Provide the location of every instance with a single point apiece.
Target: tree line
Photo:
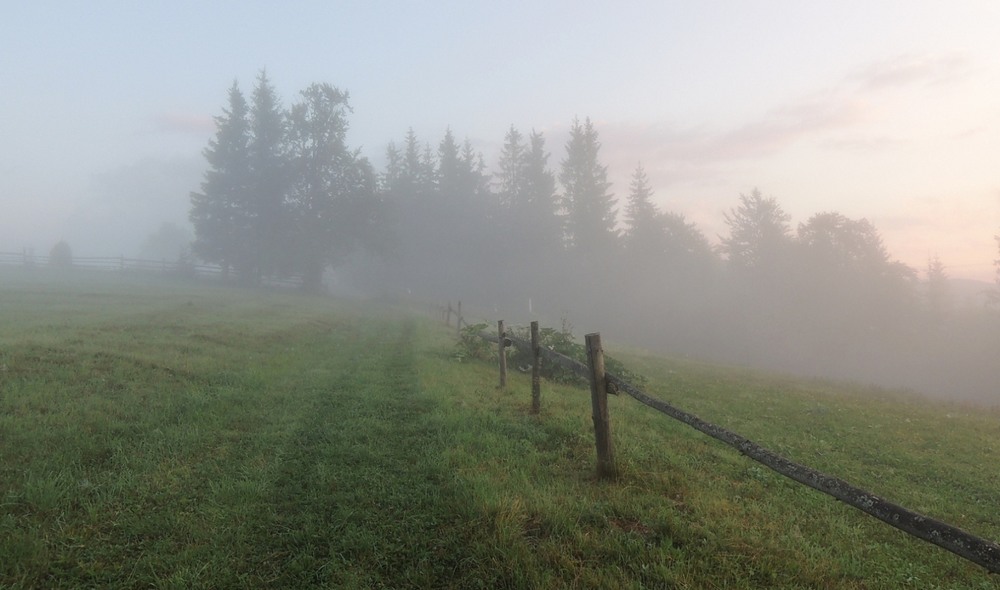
(284, 194)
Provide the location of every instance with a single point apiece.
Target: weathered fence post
(447, 318)
(458, 321)
(536, 370)
(501, 345)
(599, 400)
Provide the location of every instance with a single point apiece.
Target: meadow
(158, 434)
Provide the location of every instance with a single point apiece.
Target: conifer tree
(220, 213)
(513, 168)
(589, 209)
(540, 196)
(268, 181)
(759, 235)
(645, 230)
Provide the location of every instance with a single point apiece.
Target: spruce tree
(221, 213)
(268, 182)
(540, 196)
(511, 176)
(645, 230)
(589, 207)
(759, 235)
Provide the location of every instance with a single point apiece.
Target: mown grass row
(156, 435)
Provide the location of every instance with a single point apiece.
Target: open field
(156, 434)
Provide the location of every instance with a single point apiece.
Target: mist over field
(541, 233)
(667, 176)
(227, 231)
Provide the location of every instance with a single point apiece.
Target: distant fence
(28, 259)
(967, 546)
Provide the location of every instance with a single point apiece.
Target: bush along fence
(602, 382)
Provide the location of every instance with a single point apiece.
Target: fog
(122, 209)
(809, 189)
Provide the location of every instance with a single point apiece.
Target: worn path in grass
(170, 436)
(360, 498)
(174, 438)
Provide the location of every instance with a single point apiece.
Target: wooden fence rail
(980, 551)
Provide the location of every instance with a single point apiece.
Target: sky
(886, 110)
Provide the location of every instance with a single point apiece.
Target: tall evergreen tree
(220, 213)
(540, 196)
(390, 180)
(449, 167)
(759, 235)
(645, 230)
(590, 214)
(268, 180)
(526, 192)
(474, 179)
(512, 168)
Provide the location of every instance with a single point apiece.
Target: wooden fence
(967, 546)
(28, 259)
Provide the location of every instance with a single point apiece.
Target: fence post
(536, 370)
(599, 401)
(501, 338)
(458, 321)
(447, 319)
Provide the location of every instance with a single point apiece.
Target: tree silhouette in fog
(221, 212)
(283, 193)
(759, 234)
(331, 188)
(590, 215)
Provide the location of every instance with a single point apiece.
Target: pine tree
(590, 214)
(220, 213)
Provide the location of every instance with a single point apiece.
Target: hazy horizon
(883, 111)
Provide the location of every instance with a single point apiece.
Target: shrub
(472, 345)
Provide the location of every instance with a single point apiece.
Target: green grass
(163, 435)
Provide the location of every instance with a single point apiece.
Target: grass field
(156, 434)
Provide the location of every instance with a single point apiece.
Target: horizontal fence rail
(978, 550)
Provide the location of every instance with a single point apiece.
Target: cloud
(693, 151)
(834, 116)
(908, 69)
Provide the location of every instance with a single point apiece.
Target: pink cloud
(905, 70)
